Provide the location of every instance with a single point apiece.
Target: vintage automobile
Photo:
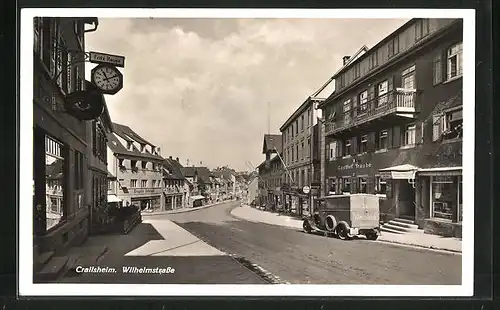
(345, 216)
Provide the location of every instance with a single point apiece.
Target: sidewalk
(182, 210)
(420, 240)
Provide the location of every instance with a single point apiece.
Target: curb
(185, 210)
(381, 241)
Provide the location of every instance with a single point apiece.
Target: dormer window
(129, 145)
(143, 148)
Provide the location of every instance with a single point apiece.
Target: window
(144, 164)
(454, 61)
(154, 183)
(346, 185)
(296, 127)
(393, 46)
(308, 152)
(347, 148)
(382, 89)
(444, 196)
(54, 182)
(293, 154)
(297, 153)
(357, 70)
(382, 143)
(363, 102)
(421, 28)
(409, 135)
(363, 144)
(302, 151)
(333, 150)
(372, 60)
(408, 78)
(332, 186)
(133, 183)
(302, 122)
(347, 110)
(380, 185)
(453, 123)
(362, 189)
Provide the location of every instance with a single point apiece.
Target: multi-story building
(301, 153)
(137, 165)
(271, 172)
(59, 139)
(199, 177)
(97, 156)
(175, 188)
(393, 126)
(253, 190)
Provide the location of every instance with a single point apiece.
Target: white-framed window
(382, 142)
(382, 90)
(444, 195)
(453, 123)
(133, 183)
(55, 182)
(409, 135)
(408, 78)
(346, 185)
(144, 183)
(333, 150)
(362, 187)
(346, 108)
(454, 61)
(363, 144)
(380, 185)
(347, 147)
(332, 186)
(363, 102)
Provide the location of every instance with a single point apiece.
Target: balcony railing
(398, 101)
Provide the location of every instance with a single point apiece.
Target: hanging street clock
(107, 79)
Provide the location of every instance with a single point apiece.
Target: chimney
(177, 159)
(345, 59)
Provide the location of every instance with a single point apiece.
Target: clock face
(107, 78)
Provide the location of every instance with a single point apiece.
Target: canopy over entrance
(401, 172)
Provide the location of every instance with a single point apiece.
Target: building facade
(137, 165)
(199, 178)
(97, 155)
(393, 126)
(59, 139)
(175, 188)
(301, 155)
(271, 173)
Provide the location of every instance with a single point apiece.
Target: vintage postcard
(224, 152)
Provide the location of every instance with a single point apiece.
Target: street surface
(289, 255)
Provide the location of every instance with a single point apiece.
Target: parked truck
(345, 216)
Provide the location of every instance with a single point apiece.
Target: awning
(114, 198)
(440, 171)
(401, 172)
(197, 197)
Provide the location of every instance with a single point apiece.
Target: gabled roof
(116, 147)
(272, 143)
(127, 134)
(171, 170)
(202, 172)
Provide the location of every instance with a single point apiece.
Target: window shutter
(371, 142)
(389, 137)
(390, 83)
(396, 136)
(370, 185)
(419, 132)
(354, 146)
(436, 127)
(437, 70)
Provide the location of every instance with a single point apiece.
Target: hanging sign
(85, 105)
(102, 58)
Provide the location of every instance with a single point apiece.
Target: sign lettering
(354, 166)
(118, 61)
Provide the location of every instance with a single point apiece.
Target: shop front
(147, 203)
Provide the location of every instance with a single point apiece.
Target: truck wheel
(306, 226)
(372, 235)
(343, 232)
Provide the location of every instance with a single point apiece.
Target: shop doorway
(406, 200)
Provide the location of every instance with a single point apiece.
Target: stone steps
(401, 226)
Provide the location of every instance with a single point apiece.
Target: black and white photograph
(262, 152)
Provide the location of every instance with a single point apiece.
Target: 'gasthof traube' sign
(354, 166)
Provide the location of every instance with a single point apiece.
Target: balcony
(399, 104)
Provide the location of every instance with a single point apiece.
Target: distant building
(175, 186)
(393, 126)
(271, 172)
(199, 177)
(137, 165)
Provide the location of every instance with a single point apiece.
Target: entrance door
(406, 200)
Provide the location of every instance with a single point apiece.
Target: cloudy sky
(199, 88)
